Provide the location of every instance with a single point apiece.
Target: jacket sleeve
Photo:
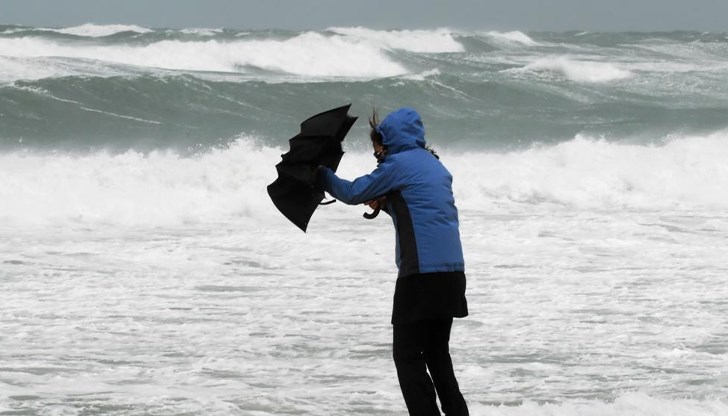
(362, 189)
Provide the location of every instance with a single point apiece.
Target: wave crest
(98, 31)
(164, 188)
(420, 41)
(308, 54)
(588, 173)
(580, 71)
(159, 188)
(511, 37)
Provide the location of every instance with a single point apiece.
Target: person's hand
(377, 203)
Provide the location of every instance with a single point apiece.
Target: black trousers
(421, 346)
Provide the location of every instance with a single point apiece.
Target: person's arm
(362, 189)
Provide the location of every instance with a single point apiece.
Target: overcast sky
(595, 15)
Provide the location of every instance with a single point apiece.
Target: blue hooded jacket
(419, 197)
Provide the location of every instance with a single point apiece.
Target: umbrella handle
(372, 215)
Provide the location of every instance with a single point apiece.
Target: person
(415, 189)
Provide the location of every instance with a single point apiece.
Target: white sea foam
(633, 404)
(313, 54)
(201, 31)
(423, 75)
(422, 41)
(132, 188)
(160, 284)
(13, 68)
(164, 188)
(684, 173)
(580, 71)
(97, 31)
(205, 300)
(146, 282)
(29, 68)
(512, 37)
(309, 54)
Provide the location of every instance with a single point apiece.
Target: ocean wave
(202, 31)
(204, 87)
(423, 75)
(164, 188)
(159, 188)
(11, 69)
(587, 173)
(350, 52)
(580, 71)
(313, 54)
(309, 54)
(98, 31)
(38, 68)
(421, 41)
(513, 37)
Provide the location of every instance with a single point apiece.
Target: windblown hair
(431, 150)
(373, 123)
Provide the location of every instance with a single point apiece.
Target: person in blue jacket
(415, 189)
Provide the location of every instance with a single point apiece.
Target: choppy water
(127, 87)
(143, 269)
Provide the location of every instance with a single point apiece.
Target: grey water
(144, 270)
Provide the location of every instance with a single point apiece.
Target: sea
(145, 271)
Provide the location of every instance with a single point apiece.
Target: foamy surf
(496, 85)
(684, 173)
(164, 188)
(420, 41)
(144, 270)
(633, 404)
(309, 54)
(96, 31)
(580, 71)
(513, 37)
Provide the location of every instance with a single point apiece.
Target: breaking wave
(165, 188)
(131, 88)
(421, 41)
(587, 173)
(516, 37)
(580, 71)
(97, 31)
(309, 54)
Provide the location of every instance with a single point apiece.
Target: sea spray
(166, 188)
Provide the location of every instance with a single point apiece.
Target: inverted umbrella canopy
(295, 192)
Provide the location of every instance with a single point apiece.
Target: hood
(402, 130)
